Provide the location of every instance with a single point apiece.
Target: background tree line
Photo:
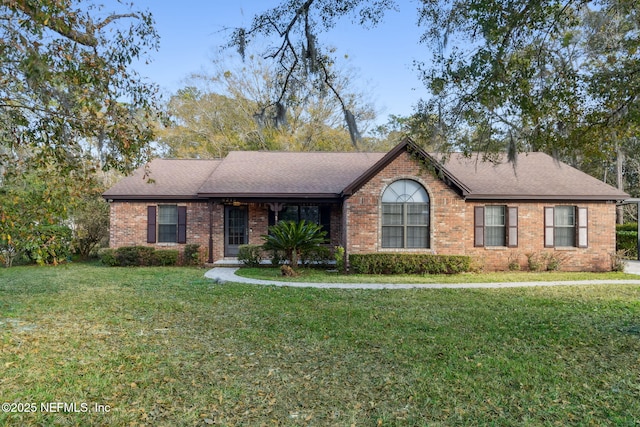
(559, 76)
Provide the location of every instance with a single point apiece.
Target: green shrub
(627, 240)
(108, 257)
(165, 257)
(339, 257)
(192, 254)
(534, 261)
(250, 255)
(409, 263)
(48, 244)
(317, 256)
(629, 226)
(137, 256)
(277, 257)
(130, 256)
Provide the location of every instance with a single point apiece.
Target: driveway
(224, 274)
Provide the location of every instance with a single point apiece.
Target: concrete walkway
(223, 274)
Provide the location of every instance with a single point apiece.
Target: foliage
(318, 256)
(627, 239)
(503, 76)
(534, 261)
(339, 256)
(68, 82)
(34, 200)
(183, 351)
(391, 263)
(138, 256)
(192, 254)
(230, 108)
(554, 76)
(299, 54)
(618, 261)
(108, 257)
(165, 257)
(250, 255)
(293, 238)
(90, 224)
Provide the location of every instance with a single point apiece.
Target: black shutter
(549, 240)
(182, 224)
(151, 224)
(512, 224)
(583, 221)
(478, 240)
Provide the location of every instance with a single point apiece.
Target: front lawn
(327, 276)
(164, 346)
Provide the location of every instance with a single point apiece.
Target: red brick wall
(129, 225)
(452, 224)
(596, 257)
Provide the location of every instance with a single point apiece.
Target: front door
(235, 229)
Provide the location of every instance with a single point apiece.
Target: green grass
(164, 346)
(319, 275)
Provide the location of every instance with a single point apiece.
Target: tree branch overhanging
(62, 26)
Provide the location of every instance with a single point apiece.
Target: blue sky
(191, 31)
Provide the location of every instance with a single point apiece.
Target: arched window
(405, 215)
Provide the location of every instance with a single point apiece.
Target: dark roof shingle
(271, 173)
(167, 179)
(535, 176)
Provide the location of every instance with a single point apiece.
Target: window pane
(565, 216)
(417, 214)
(495, 236)
(310, 213)
(494, 215)
(565, 222)
(167, 214)
(289, 213)
(167, 233)
(494, 219)
(392, 214)
(417, 237)
(405, 190)
(167, 223)
(392, 237)
(565, 236)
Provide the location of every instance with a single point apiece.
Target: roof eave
(541, 197)
(270, 196)
(133, 197)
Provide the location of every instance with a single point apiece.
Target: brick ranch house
(406, 200)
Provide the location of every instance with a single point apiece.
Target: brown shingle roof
(536, 176)
(271, 173)
(167, 179)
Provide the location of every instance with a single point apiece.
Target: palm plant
(293, 237)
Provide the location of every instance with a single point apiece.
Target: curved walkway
(223, 274)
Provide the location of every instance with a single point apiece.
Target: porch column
(276, 208)
(210, 259)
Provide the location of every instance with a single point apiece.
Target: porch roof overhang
(154, 197)
(273, 197)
